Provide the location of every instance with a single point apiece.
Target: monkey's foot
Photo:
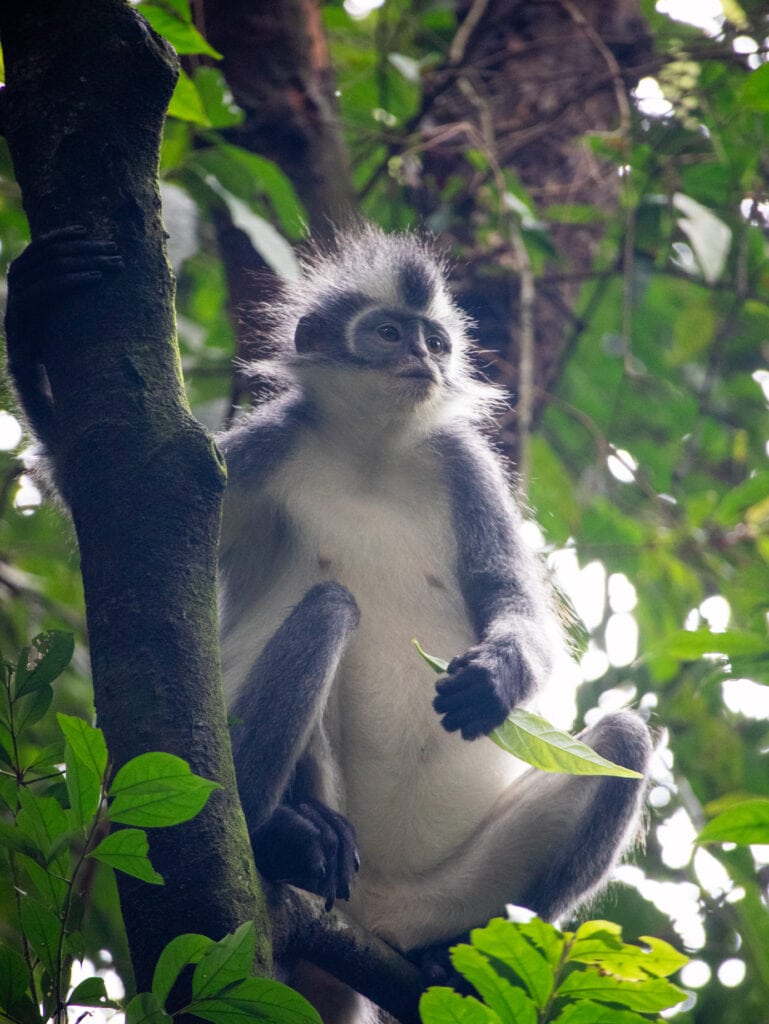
(310, 846)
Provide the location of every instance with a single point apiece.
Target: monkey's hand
(53, 265)
(482, 686)
(310, 846)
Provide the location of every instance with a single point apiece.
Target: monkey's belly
(412, 790)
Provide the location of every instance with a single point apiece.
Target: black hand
(481, 687)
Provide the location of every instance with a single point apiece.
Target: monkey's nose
(416, 343)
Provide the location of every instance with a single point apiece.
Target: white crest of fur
(366, 261)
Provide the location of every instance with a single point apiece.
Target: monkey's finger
(40, 254)
(468, 696)
(40, 291)
(470, 722)
(476, 677)
(329, 842)
(349, 859)
(463, 660)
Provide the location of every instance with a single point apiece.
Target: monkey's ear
(311, 334)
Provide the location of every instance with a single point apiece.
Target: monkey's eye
(388, 332)
(435, 344)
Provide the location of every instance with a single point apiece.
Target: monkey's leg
(296, 838)
(548, 842)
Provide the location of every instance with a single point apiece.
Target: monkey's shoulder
(259, 442)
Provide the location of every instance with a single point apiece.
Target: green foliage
(52, 828)
(531, 973)
(534, 740)
(744, 821)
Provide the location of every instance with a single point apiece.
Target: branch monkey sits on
(364, 508)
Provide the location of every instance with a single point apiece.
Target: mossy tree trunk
(87, 89)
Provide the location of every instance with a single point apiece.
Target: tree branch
(302, 927)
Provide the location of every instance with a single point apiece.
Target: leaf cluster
(531, 973)
(58, 806)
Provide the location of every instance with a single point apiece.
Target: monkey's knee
(622, 738)
(328, 606)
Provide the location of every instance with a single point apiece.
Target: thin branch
(330, 940)
(465, 30)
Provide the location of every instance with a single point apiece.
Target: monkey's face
(414, 350)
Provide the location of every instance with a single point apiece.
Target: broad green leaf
(127, 851)
(6, 745)
(436, 664)
(445, 1006)
(746, 822)
(83, 788)
(181, 34)
(644, 996)
(268, 242)
(13, 838)
(154, 790)
(186, 104)
(91, 992)
(503, 940)
(220, 108)
(595, 935)
(86, 741)
(9, 792)
(755, 92)
(750, 492)
(183, 950)
(14, 977)
(249, 176)
(511, 1004)
(43, 819)
(32, 707)
(600, 943)
(587, 1012)
(44, 660)
(662, 959)
(229, 960)
(256, 999)
(75, 944)
(43, 932)
(535, 741)
(51, 886)
(547, 938)
(145, 1009)
(688, 645)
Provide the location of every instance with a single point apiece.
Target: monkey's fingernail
(329, 903)
(356, 861)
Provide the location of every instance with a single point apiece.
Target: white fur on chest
(382, 527)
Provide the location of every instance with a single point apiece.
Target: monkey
(366, 506)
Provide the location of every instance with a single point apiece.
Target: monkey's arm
(52, 266)
(503, 593)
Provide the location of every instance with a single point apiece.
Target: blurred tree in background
(600, 174)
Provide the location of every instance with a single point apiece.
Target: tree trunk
(87, 88)
(277, 65)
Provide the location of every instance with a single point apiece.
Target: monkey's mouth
(421, 373)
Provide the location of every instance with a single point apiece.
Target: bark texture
(87, 88)
(277, 65)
